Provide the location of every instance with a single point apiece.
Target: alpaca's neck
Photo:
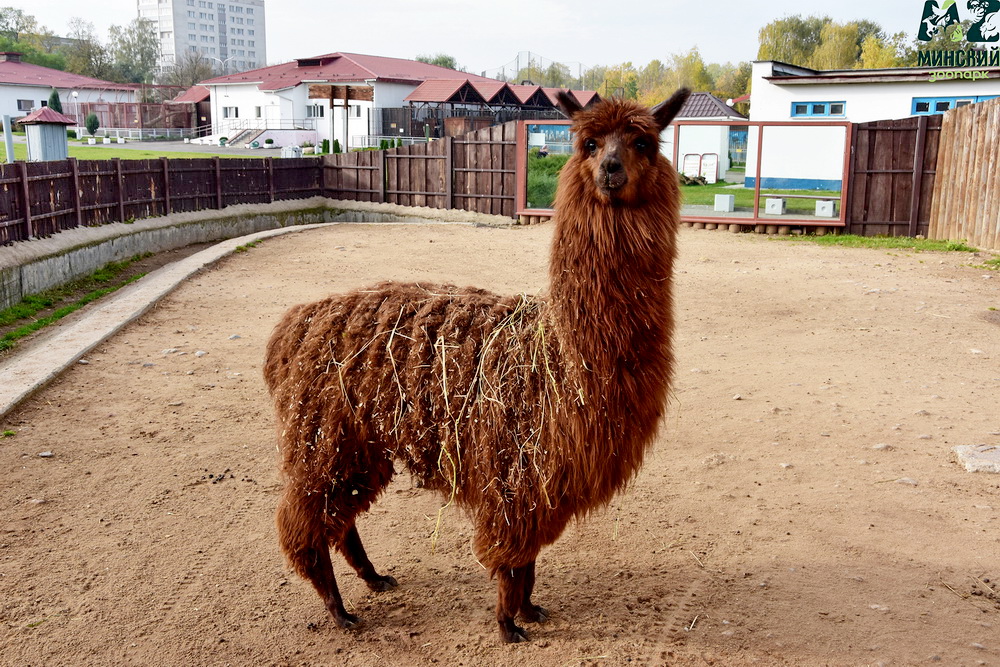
(610, 285)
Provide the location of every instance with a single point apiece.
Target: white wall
(9, 95)
(699, 140)
(803, 157)
(864, 101)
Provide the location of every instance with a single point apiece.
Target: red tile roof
(46, 115)
(531, 95)
(27, 74)
(341, 68)
(446, 90)
(193, 94)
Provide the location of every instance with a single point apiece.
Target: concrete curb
(28, 371)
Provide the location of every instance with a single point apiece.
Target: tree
(134, 50)
(14, 23)
(838, 48)
(87, 56)
(878, 53)
(54, 102)
(92, 123)
(732, 81)
(441, 60)
(189, 68)
(792, 39)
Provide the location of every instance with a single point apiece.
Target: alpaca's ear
(568, 104)
(664, 112)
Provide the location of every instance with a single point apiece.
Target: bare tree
(189, 68)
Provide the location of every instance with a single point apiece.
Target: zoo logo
(984, 15)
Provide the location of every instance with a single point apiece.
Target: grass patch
(247, 246)
(990, 264)
(106, 152)
(98, 283)
(887, 242)
(704, 195)
(8, 433)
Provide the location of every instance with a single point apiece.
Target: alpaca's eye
(590, 145)
(641, 145)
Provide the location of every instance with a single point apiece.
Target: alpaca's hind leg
(303, 537)
(356, 557)
(532, 613)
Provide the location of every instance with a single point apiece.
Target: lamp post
(76, 110)
(222, 63)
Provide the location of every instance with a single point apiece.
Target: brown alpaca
(526, 411)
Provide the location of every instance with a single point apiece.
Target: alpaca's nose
(612, 165)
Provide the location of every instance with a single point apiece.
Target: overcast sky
(486, 35)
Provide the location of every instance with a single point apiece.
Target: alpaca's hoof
(535, 614)
(347, 621)
(513, 634)
(381, 584)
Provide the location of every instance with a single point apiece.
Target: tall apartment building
(229, 34)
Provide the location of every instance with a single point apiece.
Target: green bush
(326, 145)
(543, 176)
(92, 123)
(71, 134)
(54, 102)
(399, 142)
(269, 141)
(336, 146)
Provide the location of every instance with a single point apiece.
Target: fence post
(449, 174)
(270, 179)
(381, 175)
(218, 182)
(918, 175)
(22, 168)
(77, 204)
(121, 187)
(166, 185)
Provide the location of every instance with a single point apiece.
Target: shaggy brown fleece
(526, 411)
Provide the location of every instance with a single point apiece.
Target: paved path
(50, 354)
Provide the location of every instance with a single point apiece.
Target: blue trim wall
(793, 183)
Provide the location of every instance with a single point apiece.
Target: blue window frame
(928, 106)
(807, 109)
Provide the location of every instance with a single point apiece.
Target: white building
(809, 157)
(705, 150)
(25, 87)
(230, 34)
(246, 104)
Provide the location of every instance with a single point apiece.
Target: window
(354, 111)
(314, 111)
(44, 103)
(923, 106)
(256, 112)
(807, 109)
(24, 105)
(230, 112)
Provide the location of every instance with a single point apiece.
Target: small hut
(46, 132)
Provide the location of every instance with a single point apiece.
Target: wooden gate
(892, 174)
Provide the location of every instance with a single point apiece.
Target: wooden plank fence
(473, 173)
(41, 198)
(966, 196)
(892, 176)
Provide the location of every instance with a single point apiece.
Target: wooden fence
(892, 176)
(41, 198)
(966, 197)
(474, 173)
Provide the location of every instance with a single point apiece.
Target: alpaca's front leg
(532, 613)
(514, 588)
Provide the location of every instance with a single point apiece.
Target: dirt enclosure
(802, 505)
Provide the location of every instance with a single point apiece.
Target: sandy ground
(802, 505)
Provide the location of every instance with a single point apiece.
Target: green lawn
(704, 195)
(106, 152)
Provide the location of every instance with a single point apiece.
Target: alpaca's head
(616, 142)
